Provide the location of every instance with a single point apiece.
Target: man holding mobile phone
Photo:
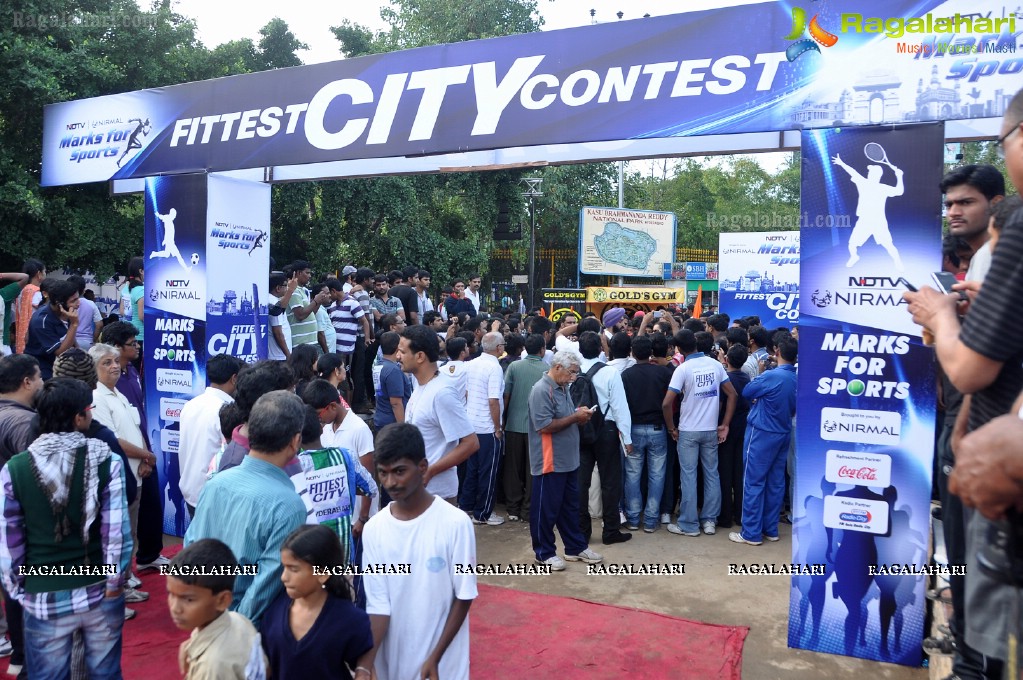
(53, 327)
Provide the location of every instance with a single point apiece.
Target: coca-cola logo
(865, 473)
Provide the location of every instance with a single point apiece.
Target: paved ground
(705, 593)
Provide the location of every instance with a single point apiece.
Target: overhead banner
(758, 275)
(207, 267)
(866, 401)
(624, 242)
(856, 62)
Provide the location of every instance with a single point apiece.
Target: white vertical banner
(237, 267)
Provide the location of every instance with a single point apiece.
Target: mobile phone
(944, 281)
(909, 286)
(657, 314)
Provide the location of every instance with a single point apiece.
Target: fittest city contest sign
(676, 76)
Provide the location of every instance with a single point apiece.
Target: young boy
(224, 645)
(419, 619)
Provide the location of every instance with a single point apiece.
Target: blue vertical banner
(207, 249)
(175, 321)
(238, 266)
(867, 396)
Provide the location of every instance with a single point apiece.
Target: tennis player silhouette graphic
(170, 249)
(870, 208)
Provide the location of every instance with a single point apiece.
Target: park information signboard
(687, 75)
(624, 242)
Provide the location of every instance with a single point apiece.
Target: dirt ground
(705, 593)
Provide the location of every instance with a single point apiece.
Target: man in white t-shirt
(420, 618)
(485, 404)
(472, 293)
(279, 342)
(342, 429)
(437, 411)
(698, 380)
(201, 436)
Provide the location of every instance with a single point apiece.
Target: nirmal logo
(803, 45)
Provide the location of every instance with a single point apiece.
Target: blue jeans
(648, 444)
(48, 642)
(699, 447)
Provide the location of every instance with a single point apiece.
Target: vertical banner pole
(867, 392)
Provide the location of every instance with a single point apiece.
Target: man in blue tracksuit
(766, 446)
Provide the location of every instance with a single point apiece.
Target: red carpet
(515, 634)
(525, 635)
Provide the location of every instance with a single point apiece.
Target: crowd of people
(333, 489)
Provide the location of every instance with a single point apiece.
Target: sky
(220, 21)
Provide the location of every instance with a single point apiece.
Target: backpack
(584, 393)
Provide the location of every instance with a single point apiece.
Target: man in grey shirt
(554, 464)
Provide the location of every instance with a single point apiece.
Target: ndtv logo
(878, 282)
(177, 283)
(75, 126)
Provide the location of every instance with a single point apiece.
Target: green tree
(74, 53)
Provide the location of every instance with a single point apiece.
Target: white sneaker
(736, 537)
(132, 596)
(622, 519)
(495, 520)
(133, 581)
(772, 539)
(555, 563)
(14, 670)
(160, 561)
(709, 528)
(588, 556)
(665, 518)
(674, 529)
(6, 648)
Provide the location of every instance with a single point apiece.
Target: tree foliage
(60, 50)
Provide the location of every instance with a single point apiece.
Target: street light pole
(532, 192)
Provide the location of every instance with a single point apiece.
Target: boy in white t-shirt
(420, 618)
(698, 380)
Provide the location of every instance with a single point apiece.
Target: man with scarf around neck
(65, 541)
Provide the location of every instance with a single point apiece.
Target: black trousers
(357, 371)
(605, 453)
(730, 471)
(150, 530)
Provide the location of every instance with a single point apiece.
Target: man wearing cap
(614, 320)
(348, 276)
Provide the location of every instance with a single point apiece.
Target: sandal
(943, 595)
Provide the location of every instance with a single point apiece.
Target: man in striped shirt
(347, 317)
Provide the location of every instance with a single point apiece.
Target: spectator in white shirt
(201, 436)
(485, 406)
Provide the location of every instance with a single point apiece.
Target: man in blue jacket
(768, 430)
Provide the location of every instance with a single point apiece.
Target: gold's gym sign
(641, 295)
